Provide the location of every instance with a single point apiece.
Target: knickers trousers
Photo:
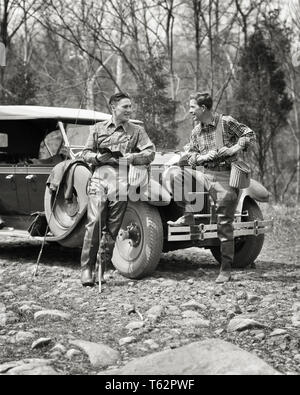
(225, 199)
(111, 214)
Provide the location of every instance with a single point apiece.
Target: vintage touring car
(35, 140)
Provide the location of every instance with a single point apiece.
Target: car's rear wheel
(61, 214)
(247, 248)
(140, 241)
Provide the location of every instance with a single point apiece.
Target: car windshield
(29, 141)
(51, 145)
(77, 134)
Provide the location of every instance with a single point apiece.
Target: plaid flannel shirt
(203, 137)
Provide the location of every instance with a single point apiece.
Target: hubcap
(65, 212)
(132, 233)
(130, 239)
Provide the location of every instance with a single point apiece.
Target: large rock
(242, 324)
(252, 298)
(155, 313)
(296, 315)
(191, 314)
(192, 304)
(135, 325)
(210, 357)
(127, 340)
(40, 343)
(100, 355)
(278, 332)
(296, 307)
(296, 321)
(24, 337)
(168, 283)
(33, 370)
(53, 315)
(7, 318)
(195, 323)
(32, 367)
(7, 294)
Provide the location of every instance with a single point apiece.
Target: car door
(9, 204)
(36, 179)
(21, 172)
(38, 172)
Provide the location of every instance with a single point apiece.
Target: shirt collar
(124, 126)
(213, 122)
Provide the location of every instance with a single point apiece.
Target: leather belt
(223, 166)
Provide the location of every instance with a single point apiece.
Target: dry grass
(286, 223)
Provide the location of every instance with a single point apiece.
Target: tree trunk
(4, 39)
(261, 158)
(119, 72)
(275, 171)
(197, 43)
(296, 134)
(298, 171)
(170, 46)
(211, 45)
(90, 97)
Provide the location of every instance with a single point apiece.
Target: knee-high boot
(90, 248)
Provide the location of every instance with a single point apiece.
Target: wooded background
(246, 53)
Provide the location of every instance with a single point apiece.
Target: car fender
(155, 194)
(255, 191)
(74, 236)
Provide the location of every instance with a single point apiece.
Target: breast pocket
(104, 141)
(120, 143)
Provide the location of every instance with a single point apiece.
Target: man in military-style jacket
(110, 143)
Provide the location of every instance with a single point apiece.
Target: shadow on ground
(28, 252)
(182, 262)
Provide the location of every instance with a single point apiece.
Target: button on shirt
(126, 138)
(203, 137)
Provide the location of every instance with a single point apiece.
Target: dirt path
(266, 293)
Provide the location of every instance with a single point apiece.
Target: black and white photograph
(149, 190)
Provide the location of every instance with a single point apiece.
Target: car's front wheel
(140, 241)
(247, 248)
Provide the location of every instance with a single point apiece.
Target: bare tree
(15, 14)
(81, 25)
(293, 66)
(248, 11)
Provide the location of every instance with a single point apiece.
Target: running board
(204, 232)
(24, 234)
(11, 232)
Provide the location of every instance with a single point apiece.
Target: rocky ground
(51, 324)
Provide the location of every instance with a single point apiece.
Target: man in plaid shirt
(204, 150)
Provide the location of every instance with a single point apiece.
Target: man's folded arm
(145, 148)
(246, 135)
(89, 153)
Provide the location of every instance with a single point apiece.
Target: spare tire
(60, 214)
